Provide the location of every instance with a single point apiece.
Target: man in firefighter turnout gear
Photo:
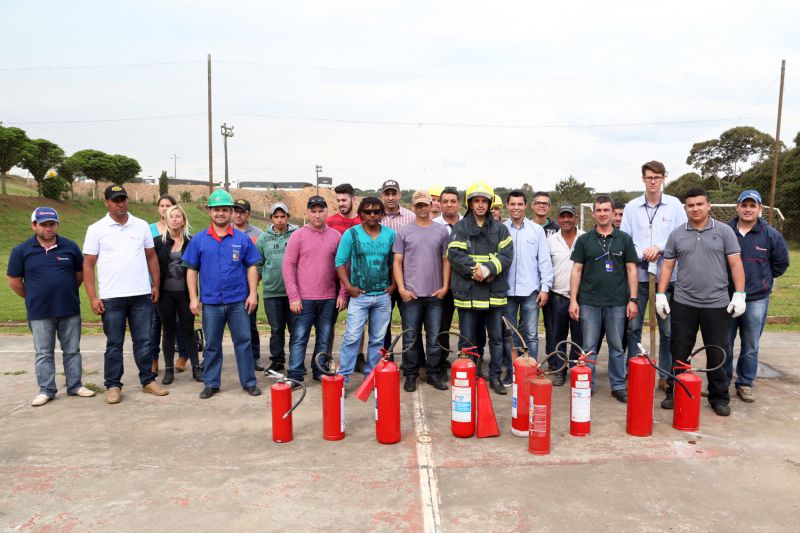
(480, 252)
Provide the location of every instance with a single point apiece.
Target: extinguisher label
(537, 418)
(461, 375)
(514, 398)
(581, 403)
(462, 404)
(341, 412)
(376, 403)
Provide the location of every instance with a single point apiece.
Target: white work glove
(485, 271)
(662, 305)
(737, 306)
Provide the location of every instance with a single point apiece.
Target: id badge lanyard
(605, 245)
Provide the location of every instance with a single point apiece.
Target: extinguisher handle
(705, 349)
(328, 369)
(303, 395)
(562, 355)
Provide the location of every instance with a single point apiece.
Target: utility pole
(318, 169)
(227, 131)
(210, 152)
(777, 149)
(175, 166)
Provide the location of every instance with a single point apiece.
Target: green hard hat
(220, 198)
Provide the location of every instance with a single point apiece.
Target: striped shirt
(398, 220)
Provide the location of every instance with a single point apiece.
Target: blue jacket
(764, 256)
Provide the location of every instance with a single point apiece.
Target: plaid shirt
(399, 219)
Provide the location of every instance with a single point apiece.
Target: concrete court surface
(179, 463)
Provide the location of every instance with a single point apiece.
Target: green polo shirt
(604, 281)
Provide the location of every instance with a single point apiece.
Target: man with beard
(346, 217)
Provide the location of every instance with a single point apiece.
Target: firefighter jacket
(472, 245)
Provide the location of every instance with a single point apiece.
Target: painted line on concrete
(428, 486)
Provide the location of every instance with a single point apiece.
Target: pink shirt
(308, 268)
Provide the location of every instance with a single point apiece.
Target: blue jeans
(469, 327)
(613, 318)
(750, 326)
(427, 311)
(527, 308)
(280, 318)
(378, 309)
(664, 331)
(562, 325)
(215, 316)
(44, 333)
(137, 311)
(318, 313)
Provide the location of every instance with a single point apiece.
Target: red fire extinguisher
(384, 380)
(281, 398)
(686, 416)
(580, 379)
(641, 389)
(333, 395)
(539, 406)
(524, 367)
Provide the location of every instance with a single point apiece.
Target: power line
(100, 120)
(118, 65)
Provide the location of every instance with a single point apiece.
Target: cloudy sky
(424, 92)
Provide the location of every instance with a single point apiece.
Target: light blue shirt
(531, 270)
(651, 225)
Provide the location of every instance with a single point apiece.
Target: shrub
(55, 188)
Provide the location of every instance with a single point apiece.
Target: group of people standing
(428, 261)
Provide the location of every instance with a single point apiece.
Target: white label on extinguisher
(537, 418)
(341, 412)
(461, 375)
(462, 404)
(581, 402)
(514, 399)
(376, 403)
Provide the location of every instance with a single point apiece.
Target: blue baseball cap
(44, 214)
(749, 194)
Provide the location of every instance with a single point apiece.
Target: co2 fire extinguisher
(384, 381)
(580, 385)
(524, 367)
(463, 388)
(686, 416)
(281, 397)
(540, 401)
(333, 395)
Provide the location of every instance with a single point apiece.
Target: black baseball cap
(317, 200)
(241, 204)
(115, 191)
(567, 208)
(390, 184)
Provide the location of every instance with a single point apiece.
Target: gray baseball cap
(278, 205)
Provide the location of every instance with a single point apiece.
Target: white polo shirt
(121, 260)
(562, 265)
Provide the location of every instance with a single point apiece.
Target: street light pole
(318, 169)
(175, 167)
(227, 131)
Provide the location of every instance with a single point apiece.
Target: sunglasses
(371, 211)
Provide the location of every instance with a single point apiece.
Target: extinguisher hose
(705, 349)
(512, 330)
(568, 343)
(670, 374)
(303, 395)
(469, 346)
(326, 369)
(562, 355)
(387, 352)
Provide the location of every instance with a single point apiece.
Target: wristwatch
(633, 300)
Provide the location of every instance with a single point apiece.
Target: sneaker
(155, 389)
(276, 366)
(296, 385)
(621, 395)
(411, 384)
(508, 379)
(745, 393)
(83, 392)
(113, 395)
(498, 387)
(721, 409)
(258, 366)
(668, 403)
(558, 380)
(40, 399)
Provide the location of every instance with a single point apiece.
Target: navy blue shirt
(51, 290)
(222, 263)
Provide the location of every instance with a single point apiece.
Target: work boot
(621, 395)
(497, 387)
(257, 365)
(275, 366)
(252, 391)
(411, 384)
(113, 395)
(558, 380)
(721, 409)
(361, 363)
(180, 364)
(155, 389)
(662, 384)
(668, 402)
(437, 383)
(169, 376)
(197, 373)
(208, 392)
(745, 393)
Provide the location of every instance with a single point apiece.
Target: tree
(95, 165)
(13, 143)
(68, 169)
(39, 157)
(54, 187)
(572, 191)
(163, 183)
(125, 169)
(725, 159)
(690, 180)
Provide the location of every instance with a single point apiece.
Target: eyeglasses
(653, 179)
(371, 211)
(542, 204)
